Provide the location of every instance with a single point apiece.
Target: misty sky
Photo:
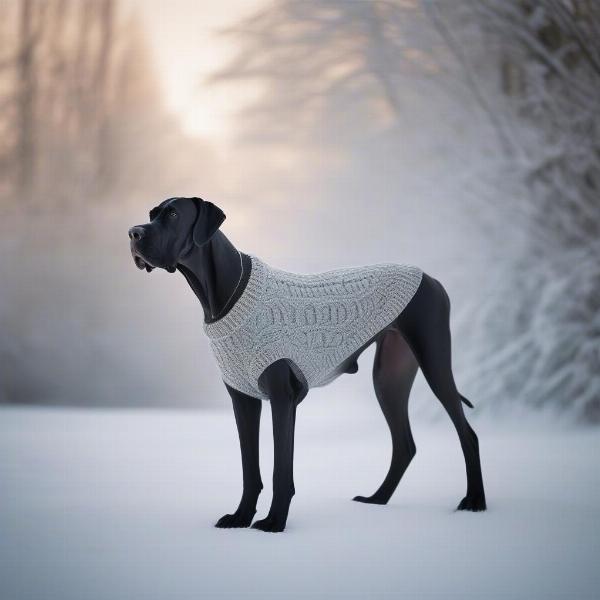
(187, 47)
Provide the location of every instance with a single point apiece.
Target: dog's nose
(136, 233)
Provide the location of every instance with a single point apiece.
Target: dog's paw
(472, 503)
(237, 519)
(270, 523)
(369, 500)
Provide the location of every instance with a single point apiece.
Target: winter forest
(460, 134)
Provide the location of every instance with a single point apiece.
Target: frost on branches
(537, 336)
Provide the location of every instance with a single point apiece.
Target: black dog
(183, 234)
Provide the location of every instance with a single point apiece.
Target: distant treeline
(76, 87)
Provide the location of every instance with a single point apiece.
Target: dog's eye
(172, 214)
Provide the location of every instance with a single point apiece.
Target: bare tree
(26, 98)
(317, 57)
(60, 97)
(101, 85)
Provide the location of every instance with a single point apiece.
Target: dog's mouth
(141, 264)
(139, 261)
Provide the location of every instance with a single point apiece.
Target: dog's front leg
(281, 386)
(247, 417)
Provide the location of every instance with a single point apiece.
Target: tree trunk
(101, 86)
(26, 102)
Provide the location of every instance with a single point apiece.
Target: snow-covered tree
(539, 333)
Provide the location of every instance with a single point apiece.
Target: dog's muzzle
(135, 235)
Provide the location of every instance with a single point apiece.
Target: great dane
(184, 235)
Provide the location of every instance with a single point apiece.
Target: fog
(331, 134)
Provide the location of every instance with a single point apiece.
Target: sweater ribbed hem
(244, 305)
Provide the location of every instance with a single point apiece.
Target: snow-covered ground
(112, 505)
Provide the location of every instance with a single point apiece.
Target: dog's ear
(154, 212)
(208, 220)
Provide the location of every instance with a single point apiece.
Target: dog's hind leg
(425, 323)
(394, 371)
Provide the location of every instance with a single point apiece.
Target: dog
(276, 334)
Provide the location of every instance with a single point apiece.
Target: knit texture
(316, 320)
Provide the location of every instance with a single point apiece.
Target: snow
(121, 504)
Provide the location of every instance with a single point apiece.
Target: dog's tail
(466, 401)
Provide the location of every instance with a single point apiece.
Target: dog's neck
(217, 273)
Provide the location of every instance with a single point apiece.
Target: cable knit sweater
(316, 320)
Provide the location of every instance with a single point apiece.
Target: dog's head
(175, 226)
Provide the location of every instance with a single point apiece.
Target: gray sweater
(316, 320)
